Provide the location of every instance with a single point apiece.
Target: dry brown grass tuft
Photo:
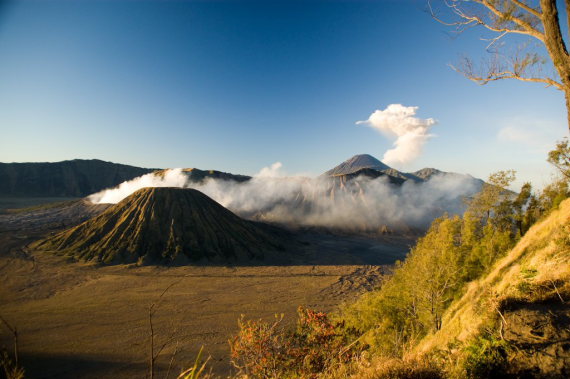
(394, 368)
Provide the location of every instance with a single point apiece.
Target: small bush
(525, 288)
(485, 357)
(407, 369)
(322, 342)
(268, 350)
(529, 273)
(562, 237)
(259, 349)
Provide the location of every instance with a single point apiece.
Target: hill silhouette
(166, 226)
(74, 178)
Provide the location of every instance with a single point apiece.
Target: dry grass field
(78, 320)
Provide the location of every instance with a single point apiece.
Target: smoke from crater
(359, 204)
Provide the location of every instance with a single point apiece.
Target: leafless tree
(14, 332)
(10, 366)
(156, 349)
(155, 353)
(542, 44)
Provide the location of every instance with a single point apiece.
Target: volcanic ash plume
(411, 132)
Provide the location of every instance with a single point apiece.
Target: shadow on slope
(63, 366)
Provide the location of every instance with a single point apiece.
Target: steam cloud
(171, 178)
(411, 132)
(271, 171)
(362, 204)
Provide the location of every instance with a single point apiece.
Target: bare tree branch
(528, 8)
(494, 76)
(510, 17)
(469, 21)
(539, 19)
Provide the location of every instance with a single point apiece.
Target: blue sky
(237, 86)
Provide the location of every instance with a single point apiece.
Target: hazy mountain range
(74, 178)
(79, 178)
(366, 164)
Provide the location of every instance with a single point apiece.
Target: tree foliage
(560, 157)
(454, 251)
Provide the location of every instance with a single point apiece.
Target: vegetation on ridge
(457, 306)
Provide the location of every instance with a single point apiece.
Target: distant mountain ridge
(197, 175)
(367, 165)
(426, 173)
(73, 178)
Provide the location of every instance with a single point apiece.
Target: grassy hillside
(522, 304)
(75, 178)
(514, 321)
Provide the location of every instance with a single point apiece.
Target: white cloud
(272, 171)
(536, 135)
(524, 143)
(411, 132)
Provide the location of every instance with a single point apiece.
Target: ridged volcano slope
(165, 225)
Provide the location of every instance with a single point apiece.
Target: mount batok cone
(166, 226)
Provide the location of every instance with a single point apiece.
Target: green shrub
(485, 357)
(562, 237)
(528, 273)
(414, 369)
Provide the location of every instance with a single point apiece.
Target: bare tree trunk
(556, 46)
(567, 96)
(567, 3)
(151, 360)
